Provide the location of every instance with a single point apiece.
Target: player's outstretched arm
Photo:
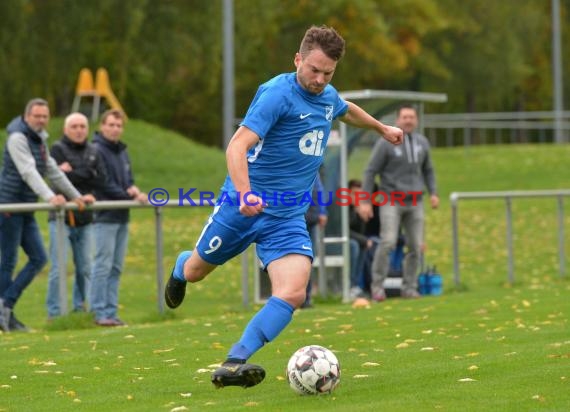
(236, 158)
(357, 117)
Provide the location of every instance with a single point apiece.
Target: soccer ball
(313, 370)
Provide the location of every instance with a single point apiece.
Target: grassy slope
(513, 341)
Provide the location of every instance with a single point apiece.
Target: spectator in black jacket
(111, 227)
(78, 159)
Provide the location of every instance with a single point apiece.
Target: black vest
(13, 189)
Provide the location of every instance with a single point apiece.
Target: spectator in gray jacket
(404, 173)
(26, 163)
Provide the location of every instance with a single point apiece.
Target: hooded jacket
(403, 168)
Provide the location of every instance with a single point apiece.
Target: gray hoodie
(403, 168)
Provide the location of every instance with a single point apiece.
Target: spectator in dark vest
(26, 163)
(80, 162)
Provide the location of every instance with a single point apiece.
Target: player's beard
(310, 87)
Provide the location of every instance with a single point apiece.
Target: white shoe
(355, 292)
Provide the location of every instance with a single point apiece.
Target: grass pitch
(490, 346)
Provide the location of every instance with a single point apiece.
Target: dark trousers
(19, 229)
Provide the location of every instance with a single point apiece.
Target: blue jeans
(19, 229)
(80, 240)
(110, 247)
(357, 258)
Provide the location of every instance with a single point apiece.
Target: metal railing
(490, 127)
(508, 196)
(102, 205)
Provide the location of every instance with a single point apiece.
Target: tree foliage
(165, 57)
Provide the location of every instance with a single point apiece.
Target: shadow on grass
(85, 320)
(75, 320)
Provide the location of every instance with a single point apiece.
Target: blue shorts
(228, 233)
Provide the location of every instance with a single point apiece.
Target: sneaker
(175, 289)
(355, 292)
(411, 294)
(5, 314)
(118, 322)
(378, 295)
(16, 325)
(106, 322)
(237, 374)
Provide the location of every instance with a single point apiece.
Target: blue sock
(178, 272)
(264, 327)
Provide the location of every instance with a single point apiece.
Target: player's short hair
(324, 38)
(406, 106)
(116, 113)
(37, 101)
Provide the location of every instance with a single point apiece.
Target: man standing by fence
(26, 163)
(111, 226)
(402, 169)
(80, 162)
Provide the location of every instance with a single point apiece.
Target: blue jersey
(293, 126)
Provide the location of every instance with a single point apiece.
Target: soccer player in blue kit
(272, 161)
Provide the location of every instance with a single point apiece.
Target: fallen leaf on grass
(186, 395)
(251, 403)
(179, 409)
(402, 345)
(20, 348)
(473, 367)
(467, 380)
(162, 350)
(361, 303)
(360, 376)
(538, 398)
(427, 348)
(370, 364)
(280, 378)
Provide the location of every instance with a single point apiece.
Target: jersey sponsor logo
(311, 144)
(329, 113)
